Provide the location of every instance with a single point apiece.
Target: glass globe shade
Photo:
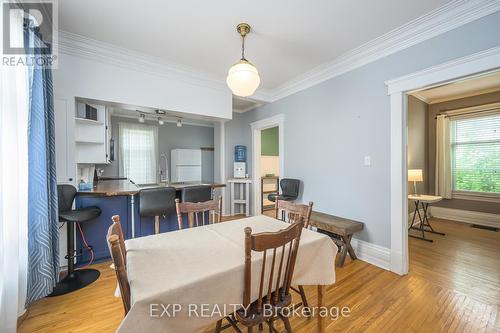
(243, 78)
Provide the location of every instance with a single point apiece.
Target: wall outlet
(368, 161)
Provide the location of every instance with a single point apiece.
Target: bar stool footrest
(79, 279)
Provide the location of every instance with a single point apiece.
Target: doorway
(268, 150)
(398, 89)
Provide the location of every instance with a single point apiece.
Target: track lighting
(160, 121)
(179, 123)
(142, 118)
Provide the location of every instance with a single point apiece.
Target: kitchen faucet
(164, 171)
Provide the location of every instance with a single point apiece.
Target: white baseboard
(373, 254)
(467, 216)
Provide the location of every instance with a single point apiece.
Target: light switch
(368, 161)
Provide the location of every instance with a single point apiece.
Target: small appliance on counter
(86, 174)
(83, 186)
(240, 161)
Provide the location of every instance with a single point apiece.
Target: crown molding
(92, 49)
(445, 18)
(250, 108)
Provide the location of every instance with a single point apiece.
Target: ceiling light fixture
(142, 118)
(160, 121)
(179, 123)
(243, 78)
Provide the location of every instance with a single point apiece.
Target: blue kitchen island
(119, 197)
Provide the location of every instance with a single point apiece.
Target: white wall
(87, 78)
(269, 165)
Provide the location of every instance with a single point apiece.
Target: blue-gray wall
(330, 127)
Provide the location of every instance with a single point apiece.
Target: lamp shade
(243, 78)
(415, 175)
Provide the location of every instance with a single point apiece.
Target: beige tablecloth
(204, 267)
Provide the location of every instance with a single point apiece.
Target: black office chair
(289, 190)
(155, 202)
(76, 279)
(199, 193)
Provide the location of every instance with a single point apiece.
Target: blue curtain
(43, 233)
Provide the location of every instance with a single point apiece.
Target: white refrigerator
(185, 165)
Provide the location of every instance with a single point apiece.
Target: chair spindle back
(196, 212)
(284, 245)
(290, 212)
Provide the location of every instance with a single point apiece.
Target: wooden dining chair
(116, 229)
(291, 212)
(197, 212)
(274, 282)
(116, 244)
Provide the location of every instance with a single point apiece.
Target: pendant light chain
(243, 47)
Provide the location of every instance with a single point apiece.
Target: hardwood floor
(453, 286)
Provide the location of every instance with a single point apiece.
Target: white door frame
(278, 120)
(481, 62)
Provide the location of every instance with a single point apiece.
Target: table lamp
(415, 175)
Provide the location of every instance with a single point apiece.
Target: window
(138, 152)
(475, 146)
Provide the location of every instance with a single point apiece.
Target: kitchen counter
(121, 197)
(116, 187)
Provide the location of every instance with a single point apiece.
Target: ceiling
(241, 105)
(289, 37)
(464, 88)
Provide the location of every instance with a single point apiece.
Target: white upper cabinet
(91, 134)
(63, 121)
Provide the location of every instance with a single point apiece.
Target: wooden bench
(340, 230)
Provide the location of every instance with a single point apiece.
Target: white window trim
(463, 114)
(476, 196)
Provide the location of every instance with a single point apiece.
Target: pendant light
(243, 78)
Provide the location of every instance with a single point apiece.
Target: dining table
(183, 281)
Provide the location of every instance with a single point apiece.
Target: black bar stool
(76, 279)
(199, 193)
(156, 202)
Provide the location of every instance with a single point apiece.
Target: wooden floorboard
(453, 286)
